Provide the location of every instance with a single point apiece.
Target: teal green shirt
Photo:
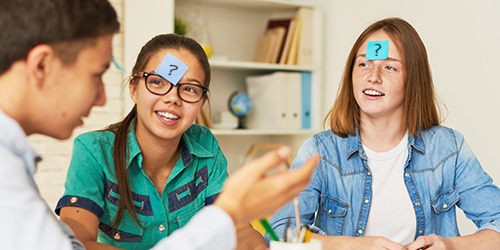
(195, 182)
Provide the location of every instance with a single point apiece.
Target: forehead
(380, 35)
(195, 71)
(97, 51)
(183, 55)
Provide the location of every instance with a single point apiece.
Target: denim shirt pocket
(445, 201)
(332, 215)
(443, 207)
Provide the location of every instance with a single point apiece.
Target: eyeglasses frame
(147, 74)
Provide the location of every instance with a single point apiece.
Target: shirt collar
(417, 143)
(187, 145)
(354, 143)
(14, 138)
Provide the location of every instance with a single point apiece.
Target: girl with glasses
(141, 179)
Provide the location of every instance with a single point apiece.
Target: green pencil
(269, 230)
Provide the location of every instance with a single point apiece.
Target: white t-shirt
(391, 212)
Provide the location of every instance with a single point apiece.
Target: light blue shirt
(27, 222)
(441, 173)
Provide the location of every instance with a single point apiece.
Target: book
(288, 40)
(268, 45)
(285, 23)
(305, 44)
(278, 35)
(262, 49)
(294, 46)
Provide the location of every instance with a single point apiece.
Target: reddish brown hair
(420, 111)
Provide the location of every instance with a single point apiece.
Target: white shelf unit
(234, 27)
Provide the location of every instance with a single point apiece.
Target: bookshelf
(233, 28)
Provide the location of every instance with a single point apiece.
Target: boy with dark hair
(53, 54)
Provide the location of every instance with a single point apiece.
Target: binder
(269, 102)
(306, 100)
(277, 101)
(294, 110)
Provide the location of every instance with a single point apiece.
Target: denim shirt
(441, 173)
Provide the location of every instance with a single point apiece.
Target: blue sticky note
(171, 69)
(377, 50)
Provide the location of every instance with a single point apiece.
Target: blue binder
(306, 100)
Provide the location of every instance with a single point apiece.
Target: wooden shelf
(242, 65)
(259, 4)
(230, 132)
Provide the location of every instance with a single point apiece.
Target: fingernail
(284, 152)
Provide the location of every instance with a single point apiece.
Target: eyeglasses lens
(187, 92)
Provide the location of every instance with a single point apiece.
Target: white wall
(142, 20)
(462, 39)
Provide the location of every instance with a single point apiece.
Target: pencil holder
(280, 245)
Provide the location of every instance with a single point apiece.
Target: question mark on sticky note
(174, 67)
(377, 50)
(379, 47)
(171, 69)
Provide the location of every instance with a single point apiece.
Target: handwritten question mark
(174, 67)
(379, 47)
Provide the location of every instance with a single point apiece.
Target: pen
(288, 232)
(269, 230)
(307, 236)
(302, 234)
(297, 215)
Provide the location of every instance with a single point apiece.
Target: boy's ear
(37, 63)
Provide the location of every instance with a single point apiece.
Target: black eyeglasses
(158, 85)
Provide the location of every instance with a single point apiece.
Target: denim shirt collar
(417, 143)
(354, 144)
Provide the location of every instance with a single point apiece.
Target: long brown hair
(121, 129)
(420, 110)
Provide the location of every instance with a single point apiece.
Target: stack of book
(287, 41)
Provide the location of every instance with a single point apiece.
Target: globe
(240, 104)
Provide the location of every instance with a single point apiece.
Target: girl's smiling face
(378, 85)
(166, 117)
